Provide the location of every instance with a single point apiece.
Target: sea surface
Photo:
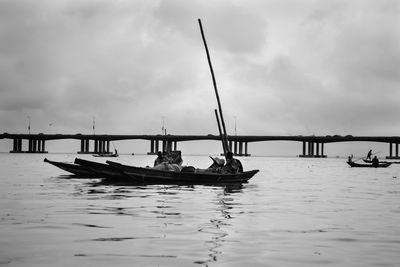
(294, 212)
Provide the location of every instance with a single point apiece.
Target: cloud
(282, 67)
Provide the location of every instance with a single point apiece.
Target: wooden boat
(75, 169)
(191, 176)
(98, 169)
(370, 165)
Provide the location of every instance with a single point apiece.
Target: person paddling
(369, 154)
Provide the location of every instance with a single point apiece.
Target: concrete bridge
(313, 146)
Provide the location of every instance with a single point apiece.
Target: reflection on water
(165, 203)
(295, 212)
(215, 227)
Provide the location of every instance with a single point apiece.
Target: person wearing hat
(217, 164)
(160, 159)
(232, 165)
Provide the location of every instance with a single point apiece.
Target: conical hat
(218, 161)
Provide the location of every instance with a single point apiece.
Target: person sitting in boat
(375, 161)
(232, 165)
(160, 159)
(350, 158)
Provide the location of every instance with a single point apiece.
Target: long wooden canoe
(150, 175)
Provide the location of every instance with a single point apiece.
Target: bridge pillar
(391, 156)
(34, 146)
(17, 146)
(239, 148)
(103, 146)
(246, 149)
(170, 145)
(151, 148)
(85, 147)
(312, 150)
(30, 145)
(155, 147)
(43, 150)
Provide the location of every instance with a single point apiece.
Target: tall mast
(224, 137)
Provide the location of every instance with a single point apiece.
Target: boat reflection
(219, 227)
(208, 212)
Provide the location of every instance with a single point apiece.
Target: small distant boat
(369, 165)
(115, 154)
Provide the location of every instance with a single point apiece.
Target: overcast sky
(284, 67)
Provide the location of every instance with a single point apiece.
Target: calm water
(295, 212)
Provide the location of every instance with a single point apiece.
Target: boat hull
(72, 168)
(150, 175)
(100, 170)
(116, 172)
(359, 165)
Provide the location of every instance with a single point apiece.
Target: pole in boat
(225, 149)
(225, 137)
